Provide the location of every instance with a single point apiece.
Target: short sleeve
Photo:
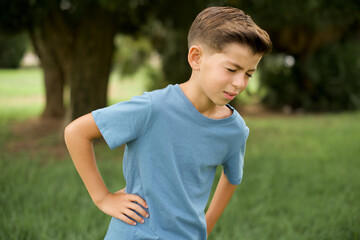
(233, 166)
(124, 121)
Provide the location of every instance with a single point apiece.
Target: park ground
(301, 175)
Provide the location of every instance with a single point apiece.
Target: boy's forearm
(78, 138)
(221, 198)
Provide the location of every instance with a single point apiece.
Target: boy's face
(223, 75)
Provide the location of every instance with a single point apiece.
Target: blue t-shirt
(171, 155)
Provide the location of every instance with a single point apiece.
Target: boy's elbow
(82, 129)
(69, 132)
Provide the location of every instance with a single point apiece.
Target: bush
(12, 50)
(131, 54)
(328, 80)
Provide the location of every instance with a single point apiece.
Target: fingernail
(147, 215)
(142, 221)
(134, 223)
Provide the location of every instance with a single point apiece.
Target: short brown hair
(218, 26)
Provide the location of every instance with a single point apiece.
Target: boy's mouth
(230, 95)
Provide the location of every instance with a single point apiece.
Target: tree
(12, 49)
(168, 28)
(312, 32)
(305, 32)
(74, 40)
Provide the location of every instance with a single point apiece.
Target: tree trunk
(89, 73)
(54, 86)
(79, 55)
(53, 73)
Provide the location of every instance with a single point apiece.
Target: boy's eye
(231, 70)
(249, 75)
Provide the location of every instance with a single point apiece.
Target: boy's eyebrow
(240, 67)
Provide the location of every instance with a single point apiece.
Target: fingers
(138, 209)
(131, 214)
(138, 199)
(133, 208)
(129, 208)
(136, 203)
(125, 219)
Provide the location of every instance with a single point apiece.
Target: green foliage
(168, 28)
(136, 58)
(177, 60)
(307, 15)
(323, 38)
(327, 80)
(131, 54)
(336, 79)
(312, 31)
(174, 54)
(128, 16)
(12, 49)
(20, 15)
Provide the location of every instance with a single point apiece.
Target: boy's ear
(194, 57)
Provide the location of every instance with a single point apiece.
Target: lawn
(301, 177)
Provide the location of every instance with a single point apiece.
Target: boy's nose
(239, 82)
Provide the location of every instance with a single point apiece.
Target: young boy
(177, 136)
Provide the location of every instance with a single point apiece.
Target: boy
(177, 136)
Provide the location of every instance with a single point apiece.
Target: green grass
(22, 91)
(301, 179)
(24, 82)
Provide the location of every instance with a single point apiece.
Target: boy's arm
(221, 198)
(78, 137)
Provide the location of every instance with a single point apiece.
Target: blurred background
(64, 58)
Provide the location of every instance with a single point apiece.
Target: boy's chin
(218, 101)
(221, 103)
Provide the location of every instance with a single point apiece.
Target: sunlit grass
(20, 83)
(22, 91)
(123, 88)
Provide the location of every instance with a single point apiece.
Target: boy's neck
(203, 104)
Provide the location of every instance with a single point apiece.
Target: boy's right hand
(122, 205)
(78, 137)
